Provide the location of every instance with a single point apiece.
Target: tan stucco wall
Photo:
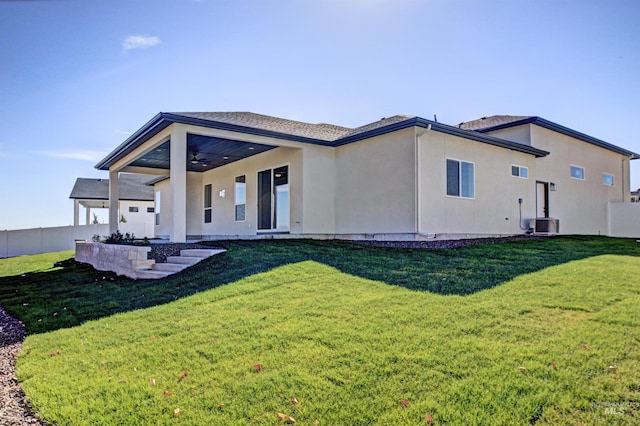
(375, 182)
(580, 205)
(319, 189)
(521, 134)
(163, 229)
(494, 209)
(194, 208)
(194, 203)
(223, 178)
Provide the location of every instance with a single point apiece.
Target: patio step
(204, 253)
(186, 260)
(171, 267)
(188, 257)
(152, 274)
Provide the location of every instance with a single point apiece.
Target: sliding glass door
(273, 199)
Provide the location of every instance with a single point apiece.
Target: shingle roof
(321, 131)
(492, 121)
(131, 187)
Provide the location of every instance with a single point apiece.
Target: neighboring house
(246, 175)
(135, 210)
(635, 196)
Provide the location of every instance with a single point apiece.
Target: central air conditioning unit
(544, 225)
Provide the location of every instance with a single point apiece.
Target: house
(246, 175)
(635, 196)
(134, 211)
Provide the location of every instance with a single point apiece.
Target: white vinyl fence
(624, 220)
(20, 242)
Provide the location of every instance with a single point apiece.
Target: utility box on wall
(545, 225)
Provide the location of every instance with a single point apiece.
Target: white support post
(178, 183)
(76, 212)
(87, 215)
(114, 196)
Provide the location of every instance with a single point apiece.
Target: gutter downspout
(416, 153)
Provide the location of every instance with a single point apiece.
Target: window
(133, 210)
(520, 171)
(157, 209)
(240, 198)
(577, 172)
(460, 179)
(150, 210)
(607, 179)
(207, 203)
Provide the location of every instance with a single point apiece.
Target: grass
(355, 351)
(63, 298)
(348, 330)
(38, 263)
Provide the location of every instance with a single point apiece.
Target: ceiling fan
(196, 160)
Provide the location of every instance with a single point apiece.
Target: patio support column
(114, 195)
(178, 183)
(76, 212)
(87, 215)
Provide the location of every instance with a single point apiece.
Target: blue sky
(77, 77)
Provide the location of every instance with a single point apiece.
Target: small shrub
(118, 238)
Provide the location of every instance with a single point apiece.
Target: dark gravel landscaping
(443, 244)
(13, 407)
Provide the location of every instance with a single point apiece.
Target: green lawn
(38, 263)
(53, 299)
(519, 334)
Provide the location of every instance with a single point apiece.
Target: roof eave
(164, 119)
(152, 127)
(394, 127)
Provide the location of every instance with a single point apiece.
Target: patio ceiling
(209, 153)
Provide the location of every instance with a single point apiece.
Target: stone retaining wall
(123, 260)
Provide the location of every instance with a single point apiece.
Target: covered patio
(176, 145)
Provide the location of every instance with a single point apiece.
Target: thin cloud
(139, 42)
(75, 155)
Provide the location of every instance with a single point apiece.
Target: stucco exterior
(375, 185)
(386, 180)
(579, 204)
(495, 208)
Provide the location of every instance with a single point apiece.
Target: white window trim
(579, 167)
(613, 178)
(459, 197)
(520, 171)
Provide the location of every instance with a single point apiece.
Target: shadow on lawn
(50, 300)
